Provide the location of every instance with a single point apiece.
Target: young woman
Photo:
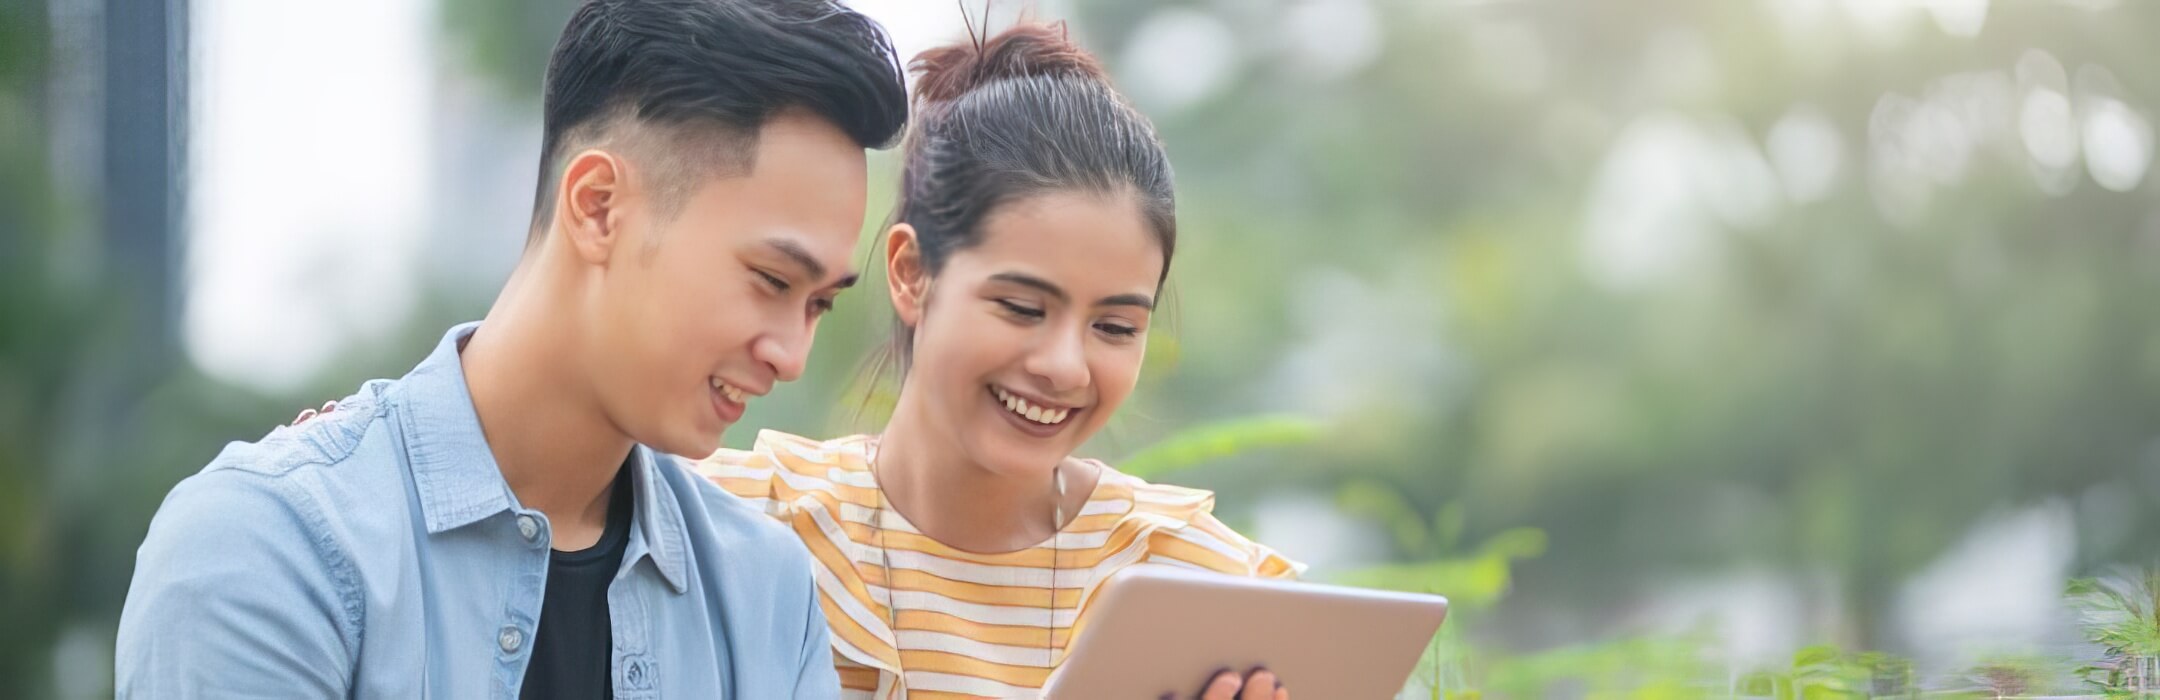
(957, 549)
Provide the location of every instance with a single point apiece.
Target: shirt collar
(660, 531)
(459, 482)
(455, 472)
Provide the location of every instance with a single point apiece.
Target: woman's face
(1026, 342)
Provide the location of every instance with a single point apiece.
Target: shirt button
(511, 639)
(528, 527)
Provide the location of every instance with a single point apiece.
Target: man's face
(704, 310)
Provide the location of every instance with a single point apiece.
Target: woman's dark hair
(720, 67)
(1022, 113)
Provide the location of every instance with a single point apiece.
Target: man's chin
(690, 446)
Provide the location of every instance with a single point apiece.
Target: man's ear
(589, 204)
(905, 276)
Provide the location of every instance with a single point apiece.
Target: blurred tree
(1391, 212)
(507, 41)
(39, 327)
(2121, 613)
(1826, 388)
(1394, 218)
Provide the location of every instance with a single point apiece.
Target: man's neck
(962, 504)
(557, 450)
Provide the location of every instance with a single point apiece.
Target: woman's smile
(1033, 417)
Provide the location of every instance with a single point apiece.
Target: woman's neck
(962, 504)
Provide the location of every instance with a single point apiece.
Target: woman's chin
(1020, 459)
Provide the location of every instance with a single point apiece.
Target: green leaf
(1213, 441)
(1373, 499)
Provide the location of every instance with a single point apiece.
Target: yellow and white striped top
(970, 625)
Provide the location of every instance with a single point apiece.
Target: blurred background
(1692, 347)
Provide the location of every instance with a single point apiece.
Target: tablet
(1156, 629)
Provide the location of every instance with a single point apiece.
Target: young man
(501, 521)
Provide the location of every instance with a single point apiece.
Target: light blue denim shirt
(375, 552)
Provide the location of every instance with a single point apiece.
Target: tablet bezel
(1334, 642)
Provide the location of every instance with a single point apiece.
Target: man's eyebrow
(794, 251)
(1047, 287)
(801, 256)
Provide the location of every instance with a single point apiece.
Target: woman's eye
(1019, 310)
(820, 307)
(778, 285)
(1117, 329)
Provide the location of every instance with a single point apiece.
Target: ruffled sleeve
(1185, 532)
(747, 474)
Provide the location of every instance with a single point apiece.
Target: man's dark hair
(704, 76)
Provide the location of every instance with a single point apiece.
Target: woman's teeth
(1045, 416)
(729, 391)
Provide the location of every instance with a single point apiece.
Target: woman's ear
(905, 276)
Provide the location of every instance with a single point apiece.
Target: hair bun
(1027, 49)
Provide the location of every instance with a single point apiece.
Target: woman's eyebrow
(1026, 280)
(1140, 300)
(1047, 287)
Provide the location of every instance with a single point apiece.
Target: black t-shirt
(573, 649)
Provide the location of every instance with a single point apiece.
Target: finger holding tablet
(1257, 684)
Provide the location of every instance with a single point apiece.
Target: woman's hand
(1257, 684)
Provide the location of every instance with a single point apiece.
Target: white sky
(309, 180)
(311, 185)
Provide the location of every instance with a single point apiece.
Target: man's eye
(778, 285)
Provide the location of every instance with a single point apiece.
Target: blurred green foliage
(2120, 612)
(1219, 440)
(1383, 296)
(39, 327)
